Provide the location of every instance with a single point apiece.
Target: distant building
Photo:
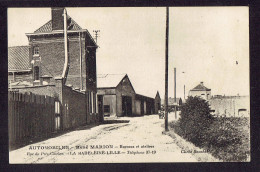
(201, 91)
(171, 101)
(157, 103)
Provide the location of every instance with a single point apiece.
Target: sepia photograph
(128, 85)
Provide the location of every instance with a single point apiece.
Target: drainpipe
(66, 63)
(80, 61)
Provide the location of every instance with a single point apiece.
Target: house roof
(73, 27)
(48, 27)
(139, 97)
(18, 58)
(109, 80)
(21, 83)
(200, 87)
(157, 94)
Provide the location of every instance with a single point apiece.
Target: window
(96, 103)
(57, 107)
(106, 108)
(202, 94)
(36, 73)
(36, 50)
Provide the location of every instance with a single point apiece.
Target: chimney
(201, 83)
(57, 18)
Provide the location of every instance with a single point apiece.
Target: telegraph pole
(175, 109)
(96, 34)
(166, 70)
(184, 88)
(184, 92)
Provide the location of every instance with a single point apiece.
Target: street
(139, 140)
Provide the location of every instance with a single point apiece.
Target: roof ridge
(75, 22)
(42, 26)
(111, 74)
(200, 87)
(78, 27)
(19, 46)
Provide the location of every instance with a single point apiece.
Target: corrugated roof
(109, 80)
(200, 87)
(48, 27)
(18, 58)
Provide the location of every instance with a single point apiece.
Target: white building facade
(201, 91)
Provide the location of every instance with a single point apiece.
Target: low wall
(48, 90)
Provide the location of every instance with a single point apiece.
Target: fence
(30, 116)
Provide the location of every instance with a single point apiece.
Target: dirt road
(139, 140)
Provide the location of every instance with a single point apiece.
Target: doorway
(100, 107)
(127, 105)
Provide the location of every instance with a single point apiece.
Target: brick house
(47, 71)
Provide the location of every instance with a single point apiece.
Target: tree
(195, 119)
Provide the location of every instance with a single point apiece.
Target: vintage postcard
(128, 85)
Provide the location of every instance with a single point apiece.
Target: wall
(138, 107)
(124, 88)
(51, 51)
(147, 104)
(229, 106)
(74, 108)
(198, 93)
(106, 91)
(145, 112)
(20, 77)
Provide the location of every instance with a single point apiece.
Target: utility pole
(184, 88)
(166, 70)
(184, 92)
(96, 34)
(80, 62)
(175, 108)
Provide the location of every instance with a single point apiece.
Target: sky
(206, 44)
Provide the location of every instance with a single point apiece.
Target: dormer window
(36, 51)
